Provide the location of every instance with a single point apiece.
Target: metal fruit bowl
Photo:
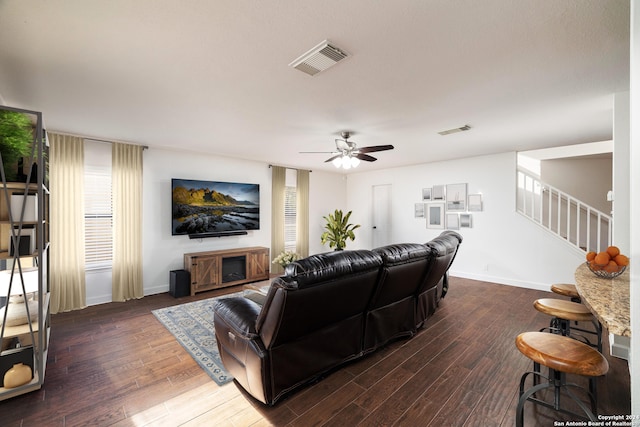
(606, 274)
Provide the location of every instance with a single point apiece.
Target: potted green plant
(15, 140)
(338, 230)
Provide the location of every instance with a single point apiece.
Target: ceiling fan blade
(374, 148)
(365, 157)
(332, 158)
(317, 152)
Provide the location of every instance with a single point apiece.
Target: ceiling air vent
(318, 59)
(454, 130)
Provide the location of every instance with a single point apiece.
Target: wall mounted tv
(213, 209)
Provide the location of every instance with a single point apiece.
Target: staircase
(580, 225)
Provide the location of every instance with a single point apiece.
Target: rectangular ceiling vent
(318, 59)
(454, 130)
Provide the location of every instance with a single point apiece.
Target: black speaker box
(24, 246)
(179, 283)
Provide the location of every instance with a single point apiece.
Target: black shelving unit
(24, 260)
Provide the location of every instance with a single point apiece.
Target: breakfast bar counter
(608, 299)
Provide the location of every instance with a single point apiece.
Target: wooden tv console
(219, 269)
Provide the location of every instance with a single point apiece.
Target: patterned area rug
(192, 325)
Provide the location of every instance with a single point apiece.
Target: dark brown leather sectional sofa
(329, 309)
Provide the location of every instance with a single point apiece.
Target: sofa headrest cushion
(443, 245)
(331, 265)
(452, 233)
(402, 253)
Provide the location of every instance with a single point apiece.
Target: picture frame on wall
(475, 203)
(419, 210)
(456, 197)
(437, 192)
(435, 215)
(453, 221)
(426, 194)
(465, 220)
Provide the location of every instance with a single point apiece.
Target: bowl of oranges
(608, 264)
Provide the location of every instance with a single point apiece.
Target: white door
(381, 221)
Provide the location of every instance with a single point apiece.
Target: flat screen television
(214, 208)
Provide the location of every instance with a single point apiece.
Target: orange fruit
(621, 260)
(595, 266)
(591, 255)
(613, 251)
(612, 267)
(602, 259)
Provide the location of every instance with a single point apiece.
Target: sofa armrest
(240, 347)
(239, 314)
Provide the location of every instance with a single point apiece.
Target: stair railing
(582, 226)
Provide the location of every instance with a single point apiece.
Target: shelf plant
(15, 140)
(338, 230)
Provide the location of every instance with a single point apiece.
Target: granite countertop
(608, 299)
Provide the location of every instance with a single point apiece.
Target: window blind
(290, 219)
(98, 217)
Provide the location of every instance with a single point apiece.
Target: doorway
(381, 221)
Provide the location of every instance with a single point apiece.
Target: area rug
(192, 325)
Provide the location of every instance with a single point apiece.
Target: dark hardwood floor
(116, 365)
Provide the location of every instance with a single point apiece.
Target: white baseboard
(156, 290)
(106, 298)
(501, 280)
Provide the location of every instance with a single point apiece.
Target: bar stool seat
(562, 355)
(563, 312)
(565, 309)
(567, 290)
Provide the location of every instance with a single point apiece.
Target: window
(290, 208)
(98, 207)
(290, 219)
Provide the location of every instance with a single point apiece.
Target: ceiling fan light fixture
(355, 162)
(337, 162)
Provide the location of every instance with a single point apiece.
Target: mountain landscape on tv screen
(210, 207)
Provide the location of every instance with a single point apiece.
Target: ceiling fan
(348, 155)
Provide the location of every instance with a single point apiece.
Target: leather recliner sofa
(327, 310)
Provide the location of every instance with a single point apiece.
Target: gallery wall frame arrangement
(448, 206)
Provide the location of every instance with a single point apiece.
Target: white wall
(621, 171)
(328, 192)
(502, 246)
(163, 252)
(588, 179)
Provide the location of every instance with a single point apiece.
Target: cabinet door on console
(204, 272)
(258, 265)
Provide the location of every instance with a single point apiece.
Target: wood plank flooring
(116, 365)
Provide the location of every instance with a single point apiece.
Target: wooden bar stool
(563, 312)
(562, 355)
(567, 290)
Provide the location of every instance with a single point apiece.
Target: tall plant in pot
(338, 230)
(15, 140)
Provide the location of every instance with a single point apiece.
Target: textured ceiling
(213, 76)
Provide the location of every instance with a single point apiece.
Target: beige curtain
(66, 180)
(302, 213)
(278, 176)
(127, 222)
